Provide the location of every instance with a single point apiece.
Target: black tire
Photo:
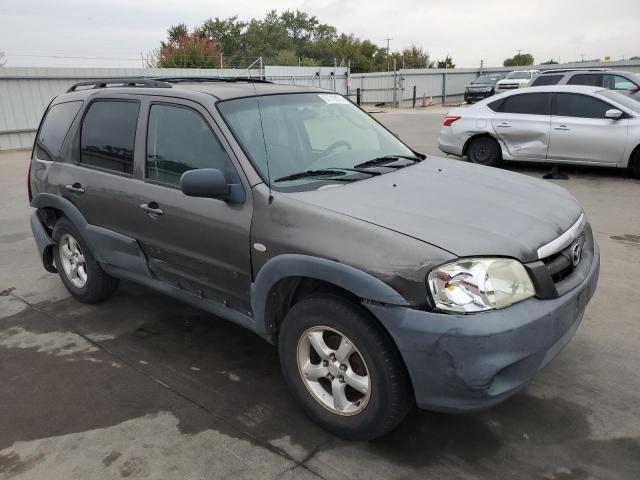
(390, 397)
(484, 151)
(98, 285)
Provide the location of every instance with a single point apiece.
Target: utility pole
(481, 65)
(388, 40)
(582, 57)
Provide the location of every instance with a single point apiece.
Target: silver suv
(385, 278)
(593, 77)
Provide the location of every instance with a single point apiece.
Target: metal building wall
(331, 78)
(26, 92)
(396, 88)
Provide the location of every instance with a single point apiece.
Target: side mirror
(613, 114)
(205, 182)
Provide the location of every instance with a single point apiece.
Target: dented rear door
(523, 123)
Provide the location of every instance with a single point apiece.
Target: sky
(116, 33)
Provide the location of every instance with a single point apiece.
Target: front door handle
(561, 127)
(152, 209)
(75, 188)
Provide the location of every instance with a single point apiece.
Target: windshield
(518, 75)
(308, 131)
(486, 79)
(631, 102)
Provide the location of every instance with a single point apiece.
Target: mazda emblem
(576, 253)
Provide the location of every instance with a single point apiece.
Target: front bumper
(470, 362)
(476, 96)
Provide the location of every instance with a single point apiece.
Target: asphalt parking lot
(144, 387)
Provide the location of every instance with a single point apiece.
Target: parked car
(515, 79)
(481, 88)
(557, 124)
(384, 278)
(595, 77)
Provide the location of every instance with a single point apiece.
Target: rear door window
(178, 140)
(576, 105)
(108, 135)
(546, 80)
(527, 103)
(590, 79)
(54, 129)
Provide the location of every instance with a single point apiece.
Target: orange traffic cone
(424, 100)
(431, 101)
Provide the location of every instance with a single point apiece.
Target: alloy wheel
(73, 262)
(333, 370)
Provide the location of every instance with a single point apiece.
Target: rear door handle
(504, 125)
(152, 209)
(561, 127)
(75, 188)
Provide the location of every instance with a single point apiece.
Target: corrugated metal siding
(26, 92)
(389, 87)
(322, 77)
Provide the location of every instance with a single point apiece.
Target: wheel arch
(634, 158)
(287, 278)
(478, 135)
(109, 248)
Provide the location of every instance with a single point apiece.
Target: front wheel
(343, 368)
(484, 151)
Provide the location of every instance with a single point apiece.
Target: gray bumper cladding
(43, 242)
(471, 362)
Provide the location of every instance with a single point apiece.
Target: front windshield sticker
(333, 99)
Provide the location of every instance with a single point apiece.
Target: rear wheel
(78, 269)
(484, 151)
(343, 368)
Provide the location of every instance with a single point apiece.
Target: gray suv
(385, 278)
(593, 77)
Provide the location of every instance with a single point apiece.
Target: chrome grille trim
(563, 240)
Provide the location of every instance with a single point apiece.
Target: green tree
(635, 57)
(228, 32)
(446, 63)
(300, 27)
(292, 37)
(413, 57)
(519, 60)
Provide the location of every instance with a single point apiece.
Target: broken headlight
(471, 285)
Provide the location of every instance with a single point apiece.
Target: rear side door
(581, 133)
(522, 122)
(94, 167)
(200, 245)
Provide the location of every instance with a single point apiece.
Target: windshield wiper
(323, 172)
(375, 162)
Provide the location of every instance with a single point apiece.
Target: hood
(460, 207)
(513, 81)
(480, 85)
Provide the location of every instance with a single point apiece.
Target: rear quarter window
(54, 129)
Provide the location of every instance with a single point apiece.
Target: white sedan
(557, 124)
